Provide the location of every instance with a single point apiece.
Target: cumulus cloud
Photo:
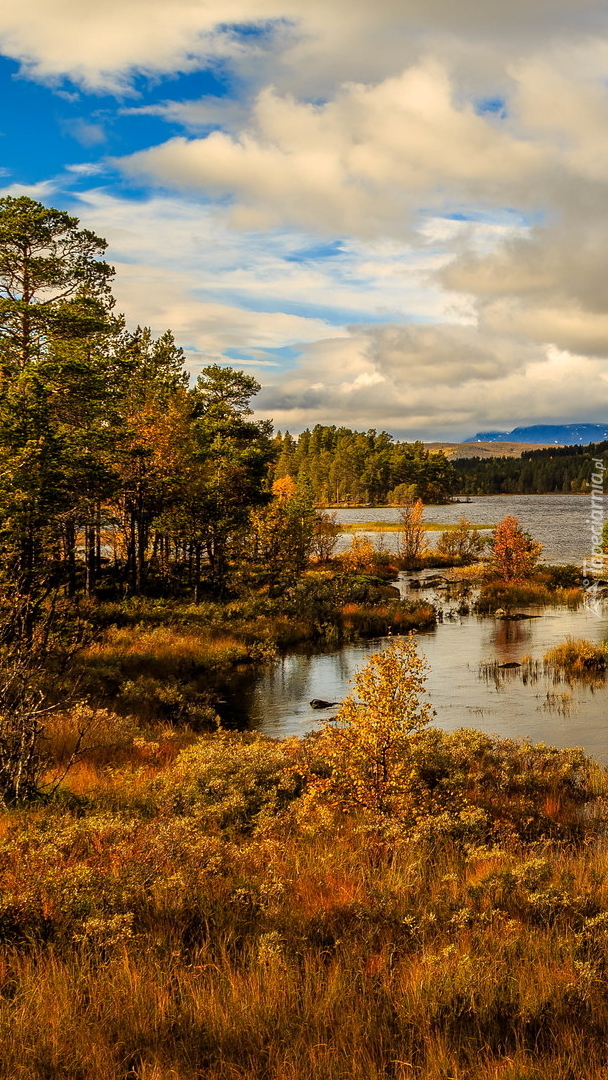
(102, 45)
(360, 163)
(473, 385)
(408, 198)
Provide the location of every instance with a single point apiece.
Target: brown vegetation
(226, 906)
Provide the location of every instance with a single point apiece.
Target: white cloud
(457, 152)
(198, 115)
(86, 133)
(396, 388)
(102, 45)
(189, 240)
(359, 164)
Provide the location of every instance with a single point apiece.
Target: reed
(578, 656)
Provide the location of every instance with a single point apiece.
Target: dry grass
(578, 656)
(475, 967)
(495, 594)
(168, 649)
(177, 921)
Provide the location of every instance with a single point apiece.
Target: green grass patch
(395, 526)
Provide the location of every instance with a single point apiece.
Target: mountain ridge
(548, 434)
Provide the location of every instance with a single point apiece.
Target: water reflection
(518, 702)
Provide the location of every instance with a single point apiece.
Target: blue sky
(392, 214)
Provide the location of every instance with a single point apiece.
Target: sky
(393, 214)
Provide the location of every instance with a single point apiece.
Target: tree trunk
(197, 573)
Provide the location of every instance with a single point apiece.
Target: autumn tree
(412, 535)
(150, 452)
(463, 542)
(235, 452)
(514, 554)
(283, 530)
(367, 751)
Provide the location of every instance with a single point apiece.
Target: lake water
(559, 522)
(277, 700)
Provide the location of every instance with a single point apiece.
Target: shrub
(229, 779)
(577, 656)
(368, 750)
(463, 543)
(514, 553)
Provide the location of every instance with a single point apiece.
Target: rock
(516, 616)
(389, 592)
(319, 703)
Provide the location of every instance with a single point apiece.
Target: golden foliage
(367, 750)
(360, 555)
(412, 536)
(284, 489)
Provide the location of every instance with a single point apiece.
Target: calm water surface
(558, 521)
(277, 701)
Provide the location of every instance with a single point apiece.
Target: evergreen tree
(54, 312)
(234, 453)
(53, 281)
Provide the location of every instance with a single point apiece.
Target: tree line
(344, 467)
(553, 470)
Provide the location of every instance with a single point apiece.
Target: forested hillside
(557, 469)
(344, 466)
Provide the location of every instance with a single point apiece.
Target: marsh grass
(578, 657)
(575, 660)
(176, 920)
(495, 594)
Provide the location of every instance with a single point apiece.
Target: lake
(277, 700)
(558, 521)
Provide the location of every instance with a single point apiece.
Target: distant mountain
(558, 434)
